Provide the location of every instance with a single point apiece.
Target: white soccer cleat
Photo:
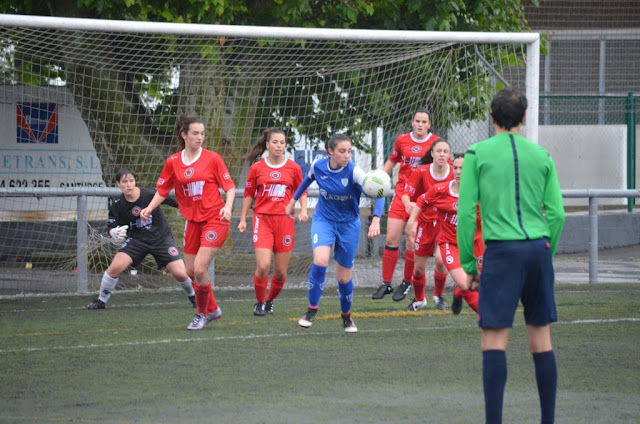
(306, 320)
(416, 305)
(347, 323)
(198, 323)
(211, 316)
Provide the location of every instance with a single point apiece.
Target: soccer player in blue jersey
(336, 222)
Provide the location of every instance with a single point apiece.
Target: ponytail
(261, 144)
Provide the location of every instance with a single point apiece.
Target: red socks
(408, 265)
(276, 288)
(439, 281)
(419, 284)
(205, 301)
(390, 257)
(260, 286)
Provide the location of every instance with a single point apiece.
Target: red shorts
(397, 209)
(204, 234)
(426, 238)
(274, 232)
(451, 255)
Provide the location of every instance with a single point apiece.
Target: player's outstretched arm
(155, 202)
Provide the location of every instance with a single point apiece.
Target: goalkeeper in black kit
(140, 238)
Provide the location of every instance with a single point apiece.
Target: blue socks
(316, 284)
(547, 379)
(494, 378)
(346, 296)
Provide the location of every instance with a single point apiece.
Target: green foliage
(297, 109)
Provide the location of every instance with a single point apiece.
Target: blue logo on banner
(37, 122)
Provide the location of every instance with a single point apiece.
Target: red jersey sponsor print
(272, 186)
(421, 180)
(196, 184)
(408, 152)
(445, 201)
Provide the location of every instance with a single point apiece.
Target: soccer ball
(376, 184)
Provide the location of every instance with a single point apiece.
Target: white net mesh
(115, 96)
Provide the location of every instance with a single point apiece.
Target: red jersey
(420, 181)
(440, 196)
(408, 152)
(196, 184)
(272, 186)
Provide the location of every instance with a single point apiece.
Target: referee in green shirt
(515, 182)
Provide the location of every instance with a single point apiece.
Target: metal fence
(83, 225)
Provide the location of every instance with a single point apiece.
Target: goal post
(84, 97)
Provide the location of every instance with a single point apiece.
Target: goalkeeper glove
(119, 234)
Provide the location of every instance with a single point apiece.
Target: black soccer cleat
(268, 307)
(401, 291)
(383, 290)
(456, 305)
(192, 299)
(96, 304)
(258, 310)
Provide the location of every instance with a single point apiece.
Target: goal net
(84, 98)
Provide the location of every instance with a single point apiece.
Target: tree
(146, 96)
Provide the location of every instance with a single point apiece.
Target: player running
(435, 169)
(444, 198)
(141, 237)
(271, 182)
(336, 222)
(197, 174)
(407, 151)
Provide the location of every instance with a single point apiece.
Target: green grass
(135, 362)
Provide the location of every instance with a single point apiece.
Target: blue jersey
(340, 190)
(339, 198)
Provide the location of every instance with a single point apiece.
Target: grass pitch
(135, 362)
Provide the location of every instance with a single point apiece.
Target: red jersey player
(407, 151)
(444, 197)
(435, 171)
(196, 174)
(271, 182)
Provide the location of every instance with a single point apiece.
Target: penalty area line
(302, 333)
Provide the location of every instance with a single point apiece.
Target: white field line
(302, 333)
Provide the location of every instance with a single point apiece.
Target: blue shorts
(512, 271)
(344, 236)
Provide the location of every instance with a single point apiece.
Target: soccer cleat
(268, 306)
(401, 291)
(416, 304)
(96, 304)
(441, 305)
(383, 290)
(192, 299)
(308, 318)
(258, 309)
(348, 325)
(198, 323)
(456, 305)
(211, 316)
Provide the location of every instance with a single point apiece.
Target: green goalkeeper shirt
(515, 182)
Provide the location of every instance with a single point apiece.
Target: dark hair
(422, 110)
(428, 157)
(125, 171)
(261, 144)
(457, 156)
(335, 139)
(182, 127)
(508, 108)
